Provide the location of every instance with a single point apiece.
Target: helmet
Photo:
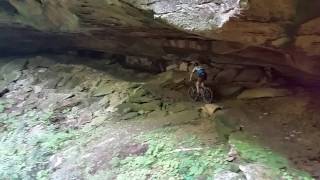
(195, 63)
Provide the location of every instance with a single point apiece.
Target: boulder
(258, 172)
(172, 67)
(249, 75)
(97, 121)
(163, 78)
(140, 95)
(55, 161)
(127, 107)
(178, 107)
(232, 154)
(151, 106)
(157, 114)
(134, 107)
(226, 76)
(133, 150)
(280, 42)
(73, 82)
(227, 122)
(179, 80)
(210, 109)
(104, 102)
(3, 88)
(228, 175)
(103, 90)
(65, 78)
(12, 76)
(142, 99)
(263, 93)
(212, 73)
(12, 71)
(53, 82)
(229, 90)
(130, 115)
(143, 64)
(182, 117)
(183, 67)
(85, 117)
(37, 89)
(44, 74)
(115, 100)
(67, 103)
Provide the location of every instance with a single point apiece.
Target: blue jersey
(200, 71)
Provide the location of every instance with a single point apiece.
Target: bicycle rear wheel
(207, 95)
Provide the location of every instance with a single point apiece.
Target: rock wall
(281, 34)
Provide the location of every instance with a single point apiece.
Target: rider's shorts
(202, 78)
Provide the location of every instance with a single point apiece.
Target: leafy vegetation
(26, 145)
(28, 140)
(251, 151)
(169, 157)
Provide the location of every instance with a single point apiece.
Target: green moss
(250, 150)
(225, 126)
(169, 157)
(2, 108)
(24, 154)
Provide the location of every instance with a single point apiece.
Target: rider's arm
(191, 74)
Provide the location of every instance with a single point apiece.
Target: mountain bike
(205, 94)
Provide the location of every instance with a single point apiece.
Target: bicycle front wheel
(193, 93)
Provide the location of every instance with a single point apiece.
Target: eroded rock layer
(282, 34)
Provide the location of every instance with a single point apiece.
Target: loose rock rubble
(68, 96)
(230, 81)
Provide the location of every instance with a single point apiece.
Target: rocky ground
(65, 117)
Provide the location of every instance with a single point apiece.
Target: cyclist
(201, 74)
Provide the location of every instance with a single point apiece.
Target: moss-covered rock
(12, 70)
(226, 124)
(272, 165)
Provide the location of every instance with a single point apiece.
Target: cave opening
(103, 89)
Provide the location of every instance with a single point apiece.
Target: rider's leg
(197, 85)
(202, 81)
(202, 84)
(202, 87)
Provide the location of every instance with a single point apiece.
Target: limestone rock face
(282, 34)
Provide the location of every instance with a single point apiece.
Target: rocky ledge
(281, 34)
(66, 117)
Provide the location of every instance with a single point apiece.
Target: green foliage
(29, 140)
(27, 144)
(170, 157)
(167, 158)
(54, 140)
(43, 175)
(251, 151)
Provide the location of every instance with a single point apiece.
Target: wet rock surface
(257, 171)
(228, 175)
